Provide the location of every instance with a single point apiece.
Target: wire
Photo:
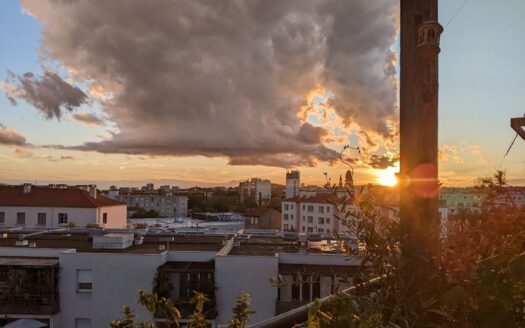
(456, 13)
(508, 150)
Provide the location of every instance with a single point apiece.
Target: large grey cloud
(225, 78)
(48, 93)
(9, 137)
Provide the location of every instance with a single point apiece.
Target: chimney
(92, 189)
(27, 188)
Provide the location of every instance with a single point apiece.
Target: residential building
(166, 205)
(262, 218)
(54, 207)
(257, 189)
(100, 274)
(293, 184)
(312, 214)
(457, 200)
(505, 198)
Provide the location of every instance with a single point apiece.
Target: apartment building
(83, 279)
(312, 214)
(58, 206)
(167, 205)
(257, 189)
(262, 218)
(457, 200)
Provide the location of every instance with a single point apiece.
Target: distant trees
(145, 214)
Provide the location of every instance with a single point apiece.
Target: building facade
(55, 207)
(166, 205)
(257, 189)
(97, 280)
(262, 218)
(293, 184)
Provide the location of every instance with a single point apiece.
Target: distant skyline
(187, 93)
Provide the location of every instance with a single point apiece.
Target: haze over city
(234, 100)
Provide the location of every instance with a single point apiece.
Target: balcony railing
(300, 314)
(28, 304)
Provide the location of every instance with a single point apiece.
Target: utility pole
(420, 36)
(518, 124)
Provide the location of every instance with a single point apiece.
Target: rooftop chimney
(92, 189)
(27, 188)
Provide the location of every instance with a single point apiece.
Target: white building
(293, 184)
(311, 214)
(98, 276)
(257, 189)
(53, 207)
(165, 204)
(457, 200)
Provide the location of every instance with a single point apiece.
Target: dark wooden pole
(420, 33)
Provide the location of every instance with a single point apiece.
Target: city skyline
(101, 141)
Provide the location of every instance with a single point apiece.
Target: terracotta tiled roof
(52, 197)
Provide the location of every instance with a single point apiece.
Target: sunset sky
(213, 92)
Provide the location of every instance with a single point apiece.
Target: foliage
(145, 214)
(198, 318)
(241, 311)
(477, 281)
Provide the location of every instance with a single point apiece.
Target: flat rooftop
(268, 246)
(83, 243)
(28, 261)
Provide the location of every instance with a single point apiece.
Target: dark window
(316, 289)
(306, 288)
(105, 218)
(2, 217)
(20, 218)
(41, 219)
(62, 218)
(295, 292)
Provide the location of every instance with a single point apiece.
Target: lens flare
(387, 177)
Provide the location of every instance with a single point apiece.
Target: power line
(508, 150)
(456, 13)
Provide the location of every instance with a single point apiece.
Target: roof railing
(300, 314)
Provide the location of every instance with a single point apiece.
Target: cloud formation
(88, 119)
(9, 137)
(48, 93)
(224, 78)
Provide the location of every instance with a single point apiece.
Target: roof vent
(113, 241)
(23, 242)
(27, 188)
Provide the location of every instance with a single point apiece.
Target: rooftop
(52, 197)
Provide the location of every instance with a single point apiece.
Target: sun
(387, 177)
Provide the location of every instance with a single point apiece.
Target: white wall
(116, 281)
(250, 274)
(79, 216)
(117, 216)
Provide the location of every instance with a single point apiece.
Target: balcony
(29, 286)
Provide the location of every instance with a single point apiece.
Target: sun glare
(387, 177)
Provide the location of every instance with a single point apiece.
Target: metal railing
(300, 314)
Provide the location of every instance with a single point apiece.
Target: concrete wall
(116, 281)
(79, 216)
(117, 216)
(250, 274)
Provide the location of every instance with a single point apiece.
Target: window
(62, 218)
(286, 216)
(105, 218)
(304, 206)
(41, 219)
(286, 207)
(320, 230)
(291, 206)
(320, 220)
(310, 219)
(328, 209)
(321, 209)
(327, 220)
(304, 228)
(327, 230)
(304, 218)
(82, 323)
(310, 229)
(291, 216)
(286, 227)
(310, 208)
(84, 281)
(20, 218)
(2, 217)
